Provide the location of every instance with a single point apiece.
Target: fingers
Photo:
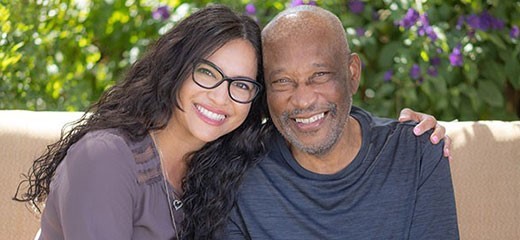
(438, 133)
(447, 147)
(427, 122)
(405, 115)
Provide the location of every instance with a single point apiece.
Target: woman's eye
(241, 85)
(205, 72)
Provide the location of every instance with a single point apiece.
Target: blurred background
(454, 59)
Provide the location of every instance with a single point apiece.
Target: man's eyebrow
(320, 65)
(277, 71)
(280, 70)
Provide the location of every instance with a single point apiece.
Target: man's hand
(427, 122)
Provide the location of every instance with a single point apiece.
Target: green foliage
(60, 55)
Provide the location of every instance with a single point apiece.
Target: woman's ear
(354, 68)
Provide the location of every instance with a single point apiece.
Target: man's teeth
(210, 114)
(311, 119)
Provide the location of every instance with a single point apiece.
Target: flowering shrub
(450, 58)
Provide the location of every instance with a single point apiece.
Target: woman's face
(211, 113)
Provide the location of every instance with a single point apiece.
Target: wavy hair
(143, 101)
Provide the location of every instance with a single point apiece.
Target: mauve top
(109, 187)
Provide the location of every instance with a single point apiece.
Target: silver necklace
(177, 204)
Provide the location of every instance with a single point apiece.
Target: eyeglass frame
(225, 79)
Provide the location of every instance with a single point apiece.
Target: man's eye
(282, 84)
(281, 81)
(321, 77)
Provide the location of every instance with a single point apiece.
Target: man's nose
(303, 96)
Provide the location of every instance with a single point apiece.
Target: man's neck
(339, 157)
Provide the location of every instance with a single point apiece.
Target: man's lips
(310, 119)
(310, 123)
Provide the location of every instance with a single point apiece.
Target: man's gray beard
(334, 135)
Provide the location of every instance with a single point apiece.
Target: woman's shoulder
(102, 148)
(111, 148)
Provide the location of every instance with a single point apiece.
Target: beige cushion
(23, 137)
(486, 178)
(486, 172)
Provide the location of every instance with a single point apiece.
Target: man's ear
(354, 68)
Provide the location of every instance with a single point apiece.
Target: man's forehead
(294, 25)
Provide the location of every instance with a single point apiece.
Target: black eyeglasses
(208, 76)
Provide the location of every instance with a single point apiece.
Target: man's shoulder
(379, 125)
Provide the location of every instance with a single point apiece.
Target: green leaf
(512, 70)
(490, 93)
(497, 41)
(387, 54)
(471, 71)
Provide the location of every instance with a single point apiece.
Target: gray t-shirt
(397, 187)
(108, 187)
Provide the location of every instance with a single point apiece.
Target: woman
(185, 122)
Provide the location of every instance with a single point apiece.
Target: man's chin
(312, 148)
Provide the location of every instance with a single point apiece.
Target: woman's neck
(175, 147)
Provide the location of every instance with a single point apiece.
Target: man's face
(308, 91)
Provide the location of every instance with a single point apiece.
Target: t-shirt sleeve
(94, 190)
(435, 214)
(233, 230)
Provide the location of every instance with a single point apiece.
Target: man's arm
(427, 122)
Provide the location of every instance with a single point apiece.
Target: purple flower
(484, 21)
(360, 31)
(250, 9)
(356, 6)
(425, 28)
(431, 33)
(456, 57)
(497, 24)
(161, 13)
(295, 3)
(487, 21)
(515, 32)
(435, 61)
(473, 21)
(409, 19)
(388, 75)
(432, 71)
(415, 72)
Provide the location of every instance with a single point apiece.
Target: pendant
(177, 204)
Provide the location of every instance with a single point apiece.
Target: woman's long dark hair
(143, 101)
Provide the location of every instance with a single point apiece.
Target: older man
(334, 171)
